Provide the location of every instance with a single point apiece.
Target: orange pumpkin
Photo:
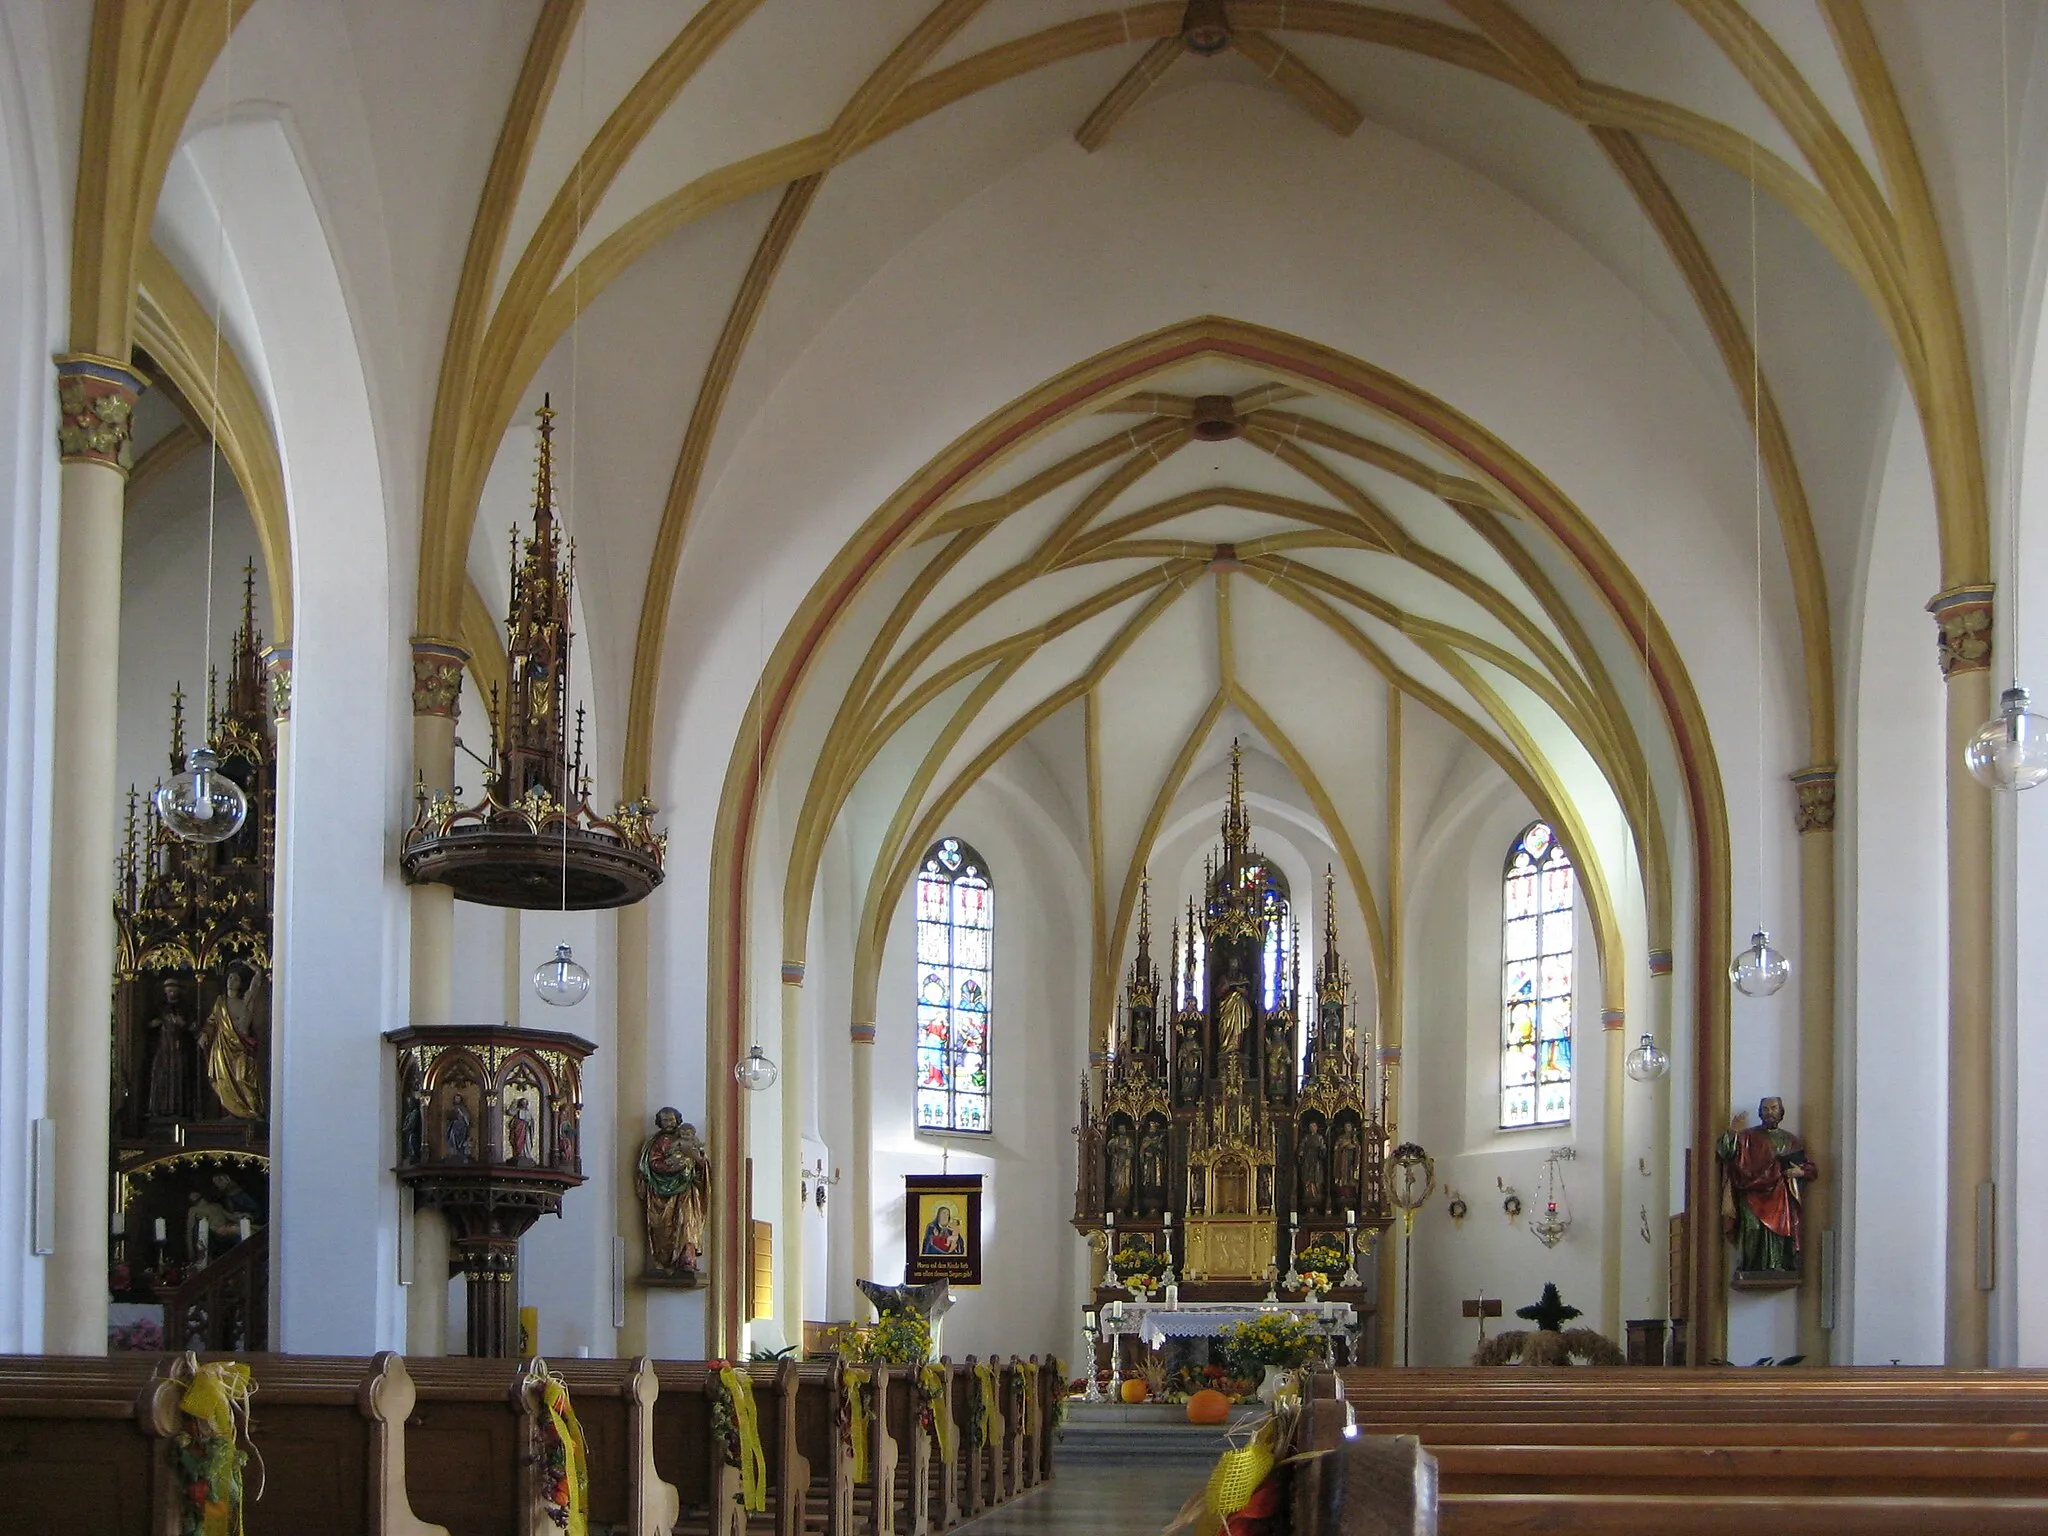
(1208, 1406)
(1134, 1390)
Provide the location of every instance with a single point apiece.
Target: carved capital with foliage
(436, 676)
(96, 410)
(277, 667)
(1816, 790)
(1962, 621)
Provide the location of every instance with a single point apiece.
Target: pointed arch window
(955, 969)
(1539, 914)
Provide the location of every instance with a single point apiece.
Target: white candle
(1351, 1218)
(1294, 1220)
(159, 1229)
(205, 1233)
(118, 1225)
(244, 1229)
(1109, 1220)
(1169, 1218)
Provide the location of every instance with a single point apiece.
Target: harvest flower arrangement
(1273, 1339)
(897, 1339)
(1320, 1265)
(1140, 1268)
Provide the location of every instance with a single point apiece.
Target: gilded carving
(1816, 791)
(1962, 621)
(277, 665)
(95, 412)
(436, 679)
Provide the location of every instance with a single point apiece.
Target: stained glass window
(1261, 879)
(1539, 899)
(955, 962)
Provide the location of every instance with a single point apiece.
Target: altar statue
(1346, 1152)
(233, 1034)
(1314, 1169)
(1279, 1059)
(674, 1181)
(1152, 1167)
(1233, 1018)
(1761, 1170)
(170, 1058)
(1121, 1159)
(1189, 1059)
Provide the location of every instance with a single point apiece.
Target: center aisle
(1122, 1471)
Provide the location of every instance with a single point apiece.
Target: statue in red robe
(1762, 1167)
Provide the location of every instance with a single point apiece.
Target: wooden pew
(1020, 1412)
(823, 1444)
(911, 1484)
(615, 1402)
(90, 1437)
(777, 1400)
(1846, 1450)
(874, 1497)
(943, 1490)
(469, 1445)
(986, 1464)
(688, 1455)
(329, 1438)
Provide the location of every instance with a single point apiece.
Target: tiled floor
(1097, 1496)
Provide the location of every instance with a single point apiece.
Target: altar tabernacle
(1214, 1144)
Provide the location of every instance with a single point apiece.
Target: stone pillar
(1820, 1262)
(863, 1190)
(1962, 616)
(1614, 1054)
(1388, 1277)
(1658, 1134)
(95, 404)
(632, 1116)
(789, 1257)
(436, 692)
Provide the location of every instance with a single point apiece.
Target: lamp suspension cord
(1756, 431)
(2009, 595)
(220, 288)
(575, 379)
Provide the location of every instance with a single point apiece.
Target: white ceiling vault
(772, 257)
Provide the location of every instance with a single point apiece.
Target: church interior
(669, 665)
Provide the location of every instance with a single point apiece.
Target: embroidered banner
(942, 1228)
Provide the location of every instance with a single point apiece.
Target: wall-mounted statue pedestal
(489, 1133)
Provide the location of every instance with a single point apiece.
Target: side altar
(1221, 1140)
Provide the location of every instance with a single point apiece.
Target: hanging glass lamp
(202, 804)
(755, 1072)
(1646, 1063)
(561, 982)
(1760, 969)
(2010, 751)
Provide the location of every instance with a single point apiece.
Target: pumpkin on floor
(1208, 1406)
(1134, 1390)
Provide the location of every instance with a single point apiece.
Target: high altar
(1216, 1132)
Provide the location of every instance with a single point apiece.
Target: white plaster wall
(1451, 1103)
(1028, 1301)
(163, 606)
(1892, 830)
(342, 911)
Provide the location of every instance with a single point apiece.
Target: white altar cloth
(1153, 1323)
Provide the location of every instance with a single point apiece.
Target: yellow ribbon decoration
(217, 1389)
(854, 1379)
(739, 1387)
(991, 1408)
(937, 1381)
(572, 1497)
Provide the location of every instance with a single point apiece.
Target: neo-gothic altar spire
(1237, 824)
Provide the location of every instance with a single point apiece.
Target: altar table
(1152, 1323)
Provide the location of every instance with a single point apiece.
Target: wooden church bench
(777, 1398)
(821, 1446)
(331, 1442)
(1488, 1514)
(615, 1402)
(90, 1437)
(910, 1499)
(1831, 1471)
(874, 1500)
(688, 1455)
